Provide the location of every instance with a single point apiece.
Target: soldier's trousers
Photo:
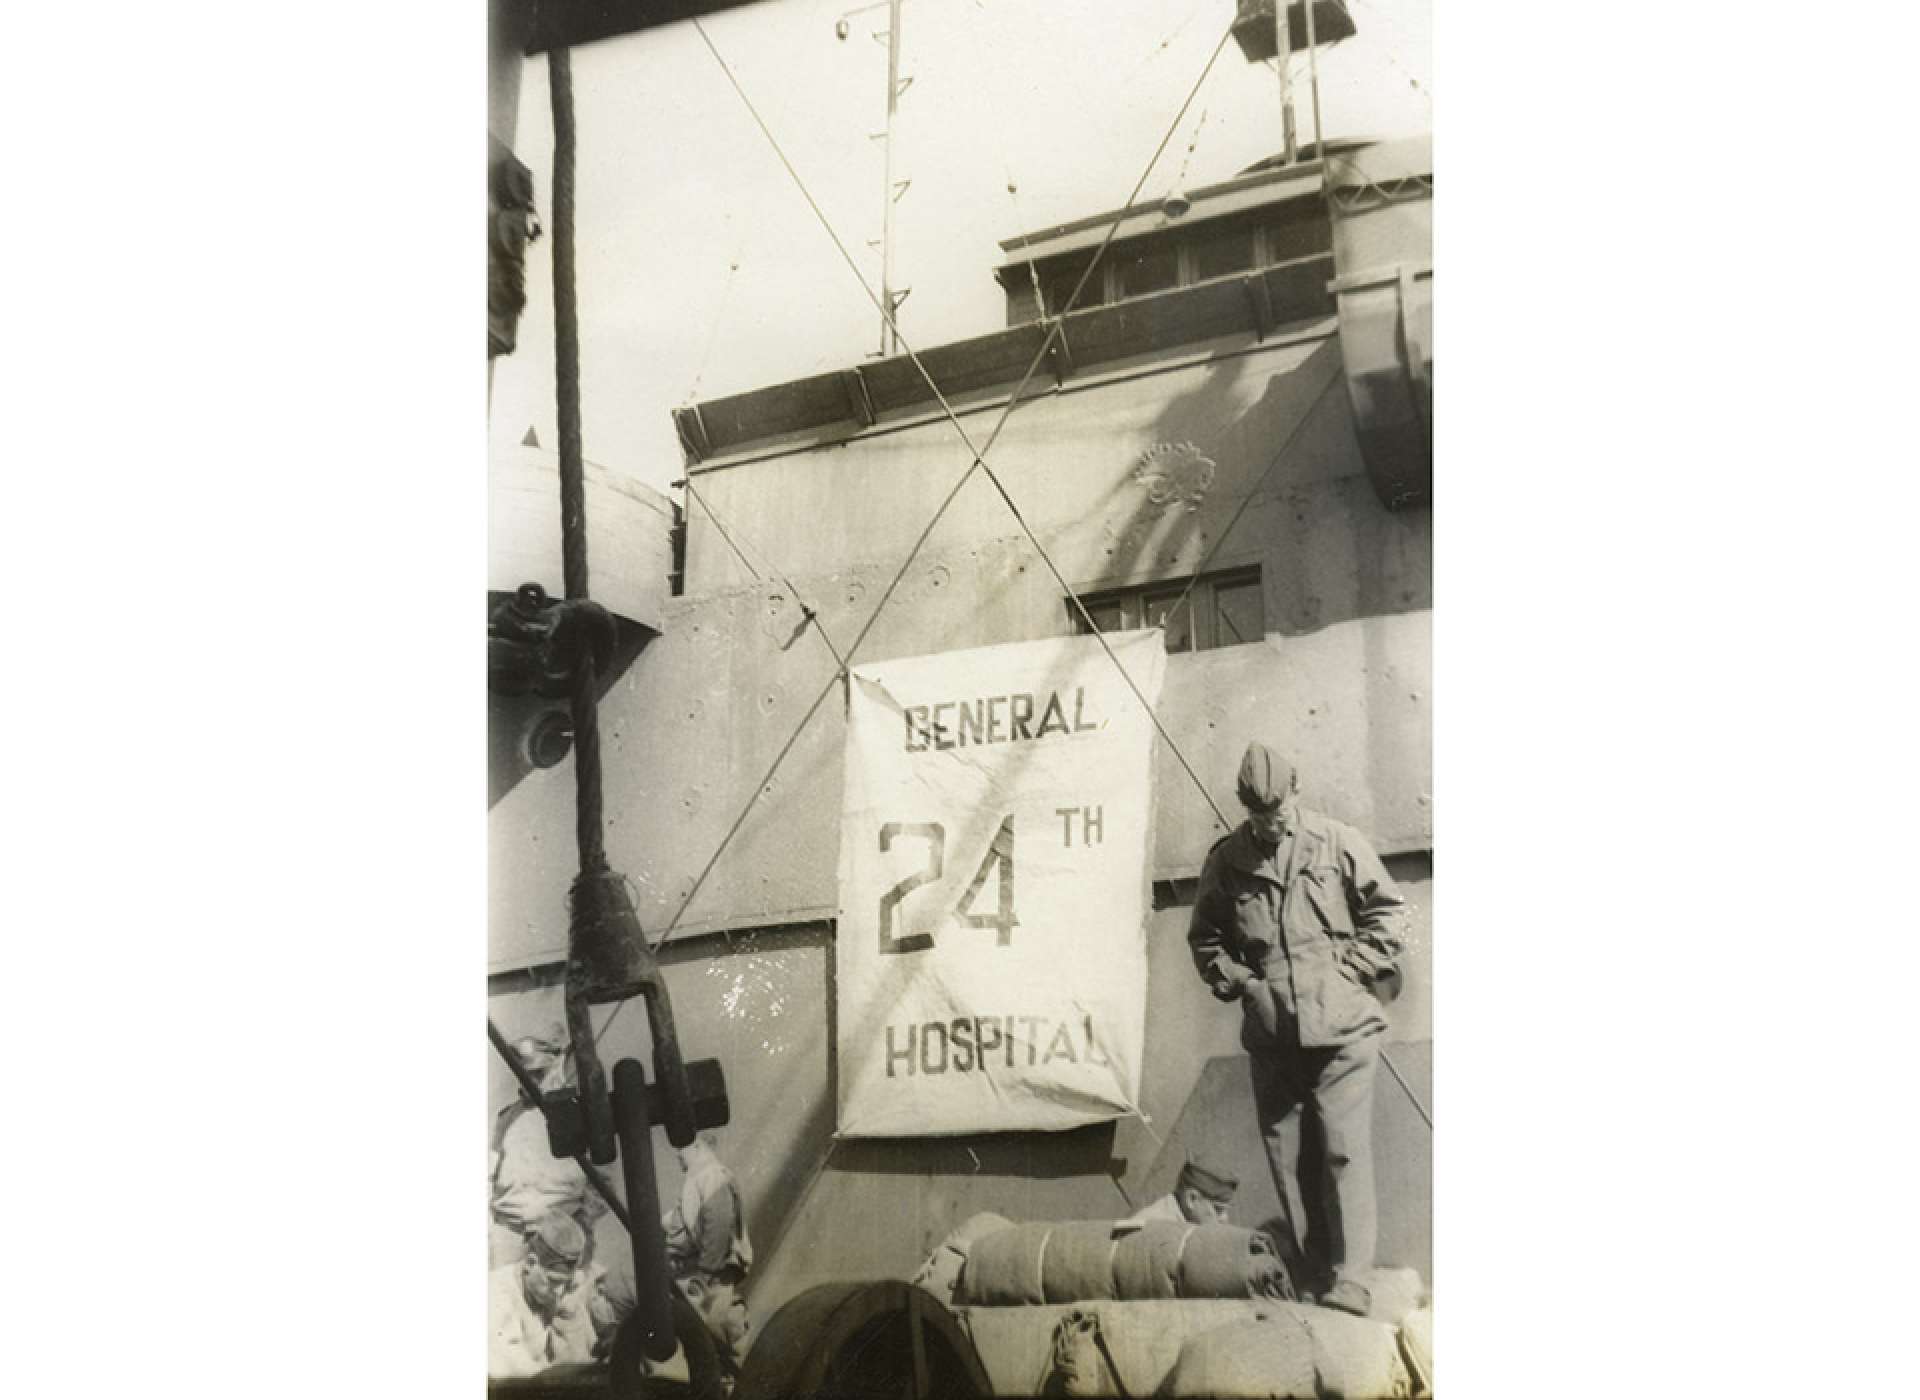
(1316, 1118)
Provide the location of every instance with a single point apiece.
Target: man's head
(699, 1151)
(1204, 1192)
(546, 1057)
(716, 1297)
(1269, 788)
(555, 1250)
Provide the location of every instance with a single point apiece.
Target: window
(1143, 270)
(1206, 250)
(1221, 610)
(1222, 254)
(1297, 234)
(1058, 281)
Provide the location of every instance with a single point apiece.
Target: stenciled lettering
(904, 1056)
(1060, 1047)
(1054, 719)
(1016, 718)
(966, 1045)
(927, 1034)
(1080, 726)
(972, 721)
(963, 1038)
(1022, 716)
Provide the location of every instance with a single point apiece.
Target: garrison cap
(1265, 777)
(559, 1238)
(1213, 1182)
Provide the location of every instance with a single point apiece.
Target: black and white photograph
(960, 831)
(987, 631)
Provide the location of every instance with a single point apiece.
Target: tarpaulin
(995, 850)
(1292, 1352)
(1416, 1345)
(1197, 1347)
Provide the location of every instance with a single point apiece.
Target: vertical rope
(566, 332)
(584, 703)
(583, 698)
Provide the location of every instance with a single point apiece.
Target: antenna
(889, 299)
(1283, 56)
(1319, 22)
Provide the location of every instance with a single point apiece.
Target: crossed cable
(978, 462)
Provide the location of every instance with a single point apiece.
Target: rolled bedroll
(1089, 1261)
(1003, 1268)
(1146, 1262)
(1077, 1263)
(1225, 1261)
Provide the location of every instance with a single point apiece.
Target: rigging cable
(1164, 44)
(1022, 231)
(808, 615)
(1387, 52)
(979, 453)
(979, 462)
(713, 335)
(953, 492)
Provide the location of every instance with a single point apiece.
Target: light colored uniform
(520, 1341)
(707, 1230)
(529, 1182)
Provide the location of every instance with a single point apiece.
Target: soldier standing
(1297, 920)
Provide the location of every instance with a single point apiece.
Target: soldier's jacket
(1317, 924)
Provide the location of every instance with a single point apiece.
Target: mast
(1282, 56)
(889, 341)
(1313, 70)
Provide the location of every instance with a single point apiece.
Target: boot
(1348, 1296)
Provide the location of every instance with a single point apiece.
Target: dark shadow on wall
(1340, 553)
(1086, 1151)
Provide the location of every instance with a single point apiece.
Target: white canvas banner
(994, 888)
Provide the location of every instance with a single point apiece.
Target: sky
(703, 272)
